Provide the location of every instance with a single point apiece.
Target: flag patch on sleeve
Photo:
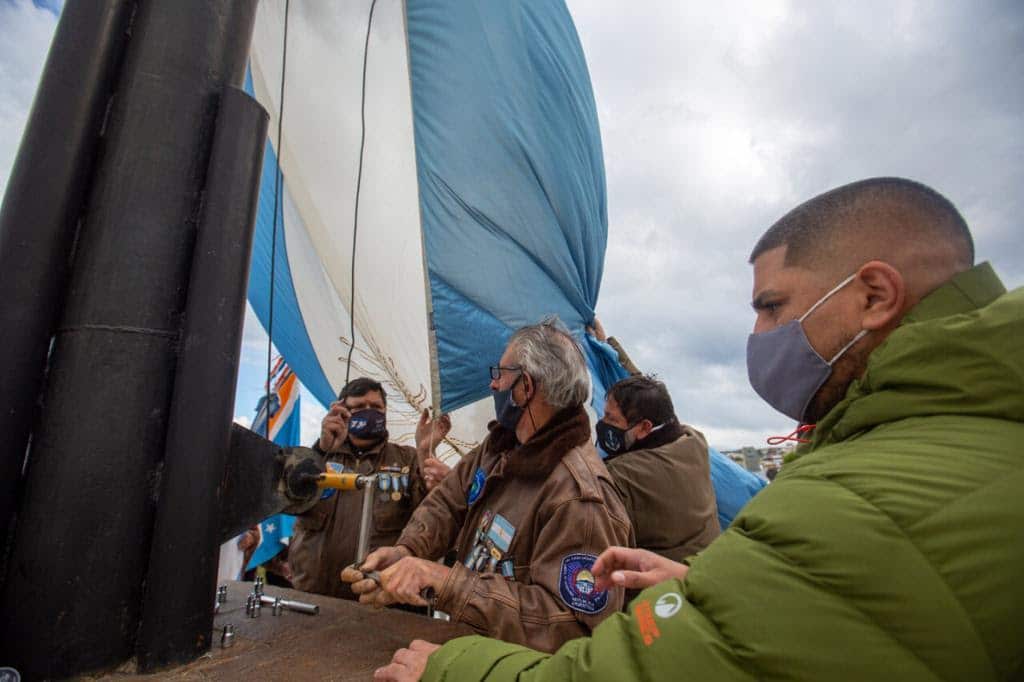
(577, 586)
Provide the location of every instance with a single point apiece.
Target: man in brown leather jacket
(355, 439)
(527, 512)
(660, 467)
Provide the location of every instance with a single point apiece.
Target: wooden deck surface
(345, 641)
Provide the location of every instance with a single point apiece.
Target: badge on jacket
(577, 585)
(476, 487)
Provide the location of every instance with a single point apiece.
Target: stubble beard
(849, 367)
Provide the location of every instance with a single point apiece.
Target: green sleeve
(810, 582)
(640, 645)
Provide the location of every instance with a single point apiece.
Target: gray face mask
(784, 368)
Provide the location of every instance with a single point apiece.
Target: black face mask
(368, 424)
(612, 439)
(506, 411)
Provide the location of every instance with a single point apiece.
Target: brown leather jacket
(526, 524)
(326, 536)
(666, 486)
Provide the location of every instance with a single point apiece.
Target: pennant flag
(278, 420)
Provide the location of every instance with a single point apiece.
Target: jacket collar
(859, 410)
(967, 291)
(538, 457)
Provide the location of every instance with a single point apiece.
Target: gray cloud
(717, 120)
(25, 33)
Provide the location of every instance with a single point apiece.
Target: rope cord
(277, 194)
(355, 217)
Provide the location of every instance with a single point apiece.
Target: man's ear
(644, 428)
(528, 387)
(885, 295)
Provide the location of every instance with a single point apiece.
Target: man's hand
(334, 427)
(430, 433)
(597, 331)
(406, 580)
(634, 569)
(434, 471)
(249, 539)
(407, 665)
(368, 590)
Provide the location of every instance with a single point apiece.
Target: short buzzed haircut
(904, 208)
(643, 397)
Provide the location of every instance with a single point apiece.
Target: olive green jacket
(892, 548)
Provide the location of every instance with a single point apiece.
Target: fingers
(615, 558)
(383, 598)
(612, 560)
(633, 579)
(404, 581)
(365, 586)
(424, 417)
(392, 672)
(338, 409)
(407, 664)
(421, 645)
(377, 559)
(350, 574)
(434, 468)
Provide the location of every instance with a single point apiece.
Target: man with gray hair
(525, 514)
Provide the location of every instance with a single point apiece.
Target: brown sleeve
(624, 487)
(536, 614)
(435, 524)
(624, 359)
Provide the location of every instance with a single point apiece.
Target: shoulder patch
(476, 487)
(577, 586)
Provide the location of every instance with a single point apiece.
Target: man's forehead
(771, 274)
(369, 397)
(611, 408)
(508, 356)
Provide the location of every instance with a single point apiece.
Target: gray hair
(551, 356)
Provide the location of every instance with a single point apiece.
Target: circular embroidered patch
(577, 585)
(668, 605)
(476, 487)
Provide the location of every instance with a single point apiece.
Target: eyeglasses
(496, 371)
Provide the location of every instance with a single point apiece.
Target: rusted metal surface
(346, 641)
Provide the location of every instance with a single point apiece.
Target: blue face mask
(506, 411)
(784, 368)
(368, 424)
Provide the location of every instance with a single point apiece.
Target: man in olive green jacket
(892, 547)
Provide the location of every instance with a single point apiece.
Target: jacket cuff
(474, 657)
(456, 591)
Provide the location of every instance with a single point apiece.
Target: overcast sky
(716, 119)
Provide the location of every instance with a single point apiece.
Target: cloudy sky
(716, 119)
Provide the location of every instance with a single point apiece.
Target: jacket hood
(959, 351)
